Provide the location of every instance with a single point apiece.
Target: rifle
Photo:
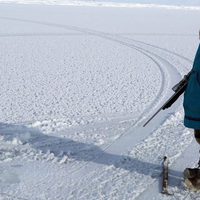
(178, 89)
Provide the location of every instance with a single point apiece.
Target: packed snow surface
(77, 85)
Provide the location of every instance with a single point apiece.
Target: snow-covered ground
(77, 84)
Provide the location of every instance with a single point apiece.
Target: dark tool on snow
(165, 176)
(179, 89)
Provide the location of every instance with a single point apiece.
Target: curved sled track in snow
(165, 68)
(121, 41)
(160, 48)
(93, 32)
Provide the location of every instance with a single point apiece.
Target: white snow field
(76, 86)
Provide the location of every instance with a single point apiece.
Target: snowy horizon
(166, 4)
(159, 2)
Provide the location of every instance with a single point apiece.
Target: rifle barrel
(153, 116)
(179, 89)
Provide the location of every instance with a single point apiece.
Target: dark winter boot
(192, 179)
(197, 135)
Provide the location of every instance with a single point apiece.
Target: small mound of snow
(16, 141)
(64, 159)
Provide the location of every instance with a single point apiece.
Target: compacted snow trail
(88, 95)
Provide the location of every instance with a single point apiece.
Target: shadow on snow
(81, 151)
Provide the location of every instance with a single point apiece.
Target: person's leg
(197, 135)
(192, 175)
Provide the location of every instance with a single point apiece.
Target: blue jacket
(192, 96)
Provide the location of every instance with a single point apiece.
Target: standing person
(192, 117)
